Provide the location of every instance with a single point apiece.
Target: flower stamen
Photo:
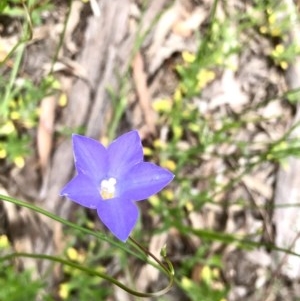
(108, 188)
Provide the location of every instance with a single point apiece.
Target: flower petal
(144, 180)
(124, 152)
(90, 157)
(82, 191)
(119, 216)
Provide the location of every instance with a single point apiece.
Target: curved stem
(167, 269)
(86, 270)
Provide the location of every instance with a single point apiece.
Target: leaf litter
(250, 92)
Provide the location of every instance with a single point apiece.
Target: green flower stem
(8, 91)
(239, 241)
(169, 270)
(84, 269)
(19, 48)
(62, 36)
(27, 35)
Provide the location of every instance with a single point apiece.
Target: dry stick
(292, 79)
(234, 165)
(265, 217)
(276, 273)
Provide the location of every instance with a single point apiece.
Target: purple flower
(111, 179)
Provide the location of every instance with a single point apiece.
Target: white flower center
(108, 188)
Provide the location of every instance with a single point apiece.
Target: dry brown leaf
(140, 80)
(71, 25)
(228, 91)
(45, 130)
(69, 66)
(190, 23)
(259, 185)
(163, 28)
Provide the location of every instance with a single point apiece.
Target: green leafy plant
(17, 285)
